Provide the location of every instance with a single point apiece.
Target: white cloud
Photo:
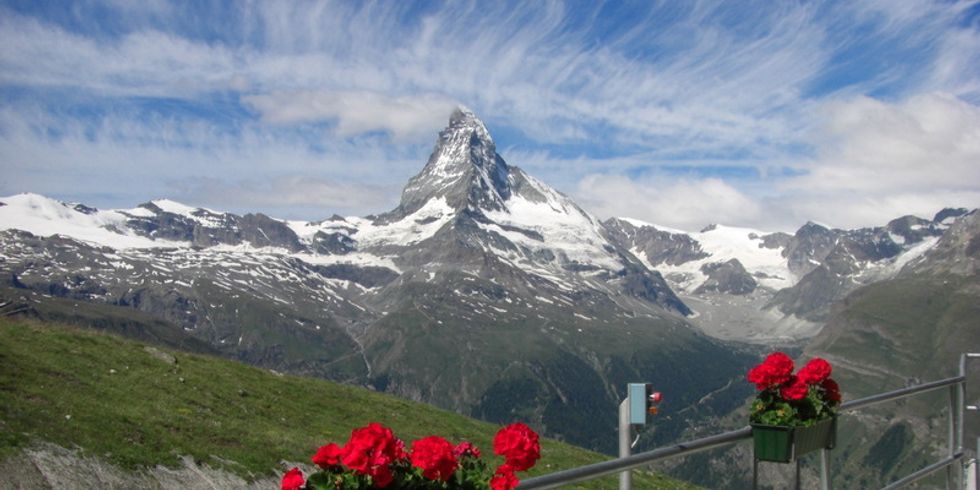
(686, 204)
(854, 210)
(957, 67)
(876, 161)
(870, 146)
(143, 63)
(355, 112)
(287, 196)
(121, 161)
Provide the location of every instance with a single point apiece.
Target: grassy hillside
(139, 406)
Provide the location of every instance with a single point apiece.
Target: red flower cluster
(434, 455)
(816, 371)
(518, 444)
(504, 479)
(292, 480)
(831, 389)
(794, 389)
(376, 458)
(466, 448)
(369, 452)
(328, 456)
(774, 371)
(788, 399)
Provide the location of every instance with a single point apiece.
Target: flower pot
(784, 444)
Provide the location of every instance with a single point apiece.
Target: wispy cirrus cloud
(602, 94)
(357, 112)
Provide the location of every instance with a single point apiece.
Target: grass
(113, 399)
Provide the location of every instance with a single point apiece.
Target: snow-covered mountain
(752, 285)
(468, 211)
(465, 194)
(483, 285)
(686, 259)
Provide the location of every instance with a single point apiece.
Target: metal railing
(954, 458)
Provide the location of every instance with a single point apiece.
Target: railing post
(951, 440)
(960, 408)
(825, 483)
(626, 477)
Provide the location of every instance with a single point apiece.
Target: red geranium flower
(831, 389)
(434, 455)
(400, 450)
(292, 480)
(759, 376)
(794, 389)
(328, 455)
(815, 372)
(504, 479)
(466, 448)
(370, 447)
(518, 444)
(774, 371)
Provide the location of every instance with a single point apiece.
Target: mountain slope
(840, 261)
(907, 329)
(142, 406)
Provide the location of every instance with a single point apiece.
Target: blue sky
(763, 114)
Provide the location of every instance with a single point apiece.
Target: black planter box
(782, 444)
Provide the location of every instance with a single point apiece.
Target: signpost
(640, 403)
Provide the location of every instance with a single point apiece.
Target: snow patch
(414, 228)
(47, 217)
(723, 243)
(564, 227)
(913, 253)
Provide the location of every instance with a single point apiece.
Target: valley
(488, 293)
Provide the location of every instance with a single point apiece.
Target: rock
(50, 466)
(727, 277)
(159, 354)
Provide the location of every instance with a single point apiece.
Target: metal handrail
(613, 466)
(924, 472)
(900, 393)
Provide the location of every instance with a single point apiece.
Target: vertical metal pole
(960, 407)
(797, 486)
(825, 469)
(626, 477)
(976, 466)
(951, 440)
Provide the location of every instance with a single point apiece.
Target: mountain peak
(464, 167)
(463, 115)
(464, 123)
